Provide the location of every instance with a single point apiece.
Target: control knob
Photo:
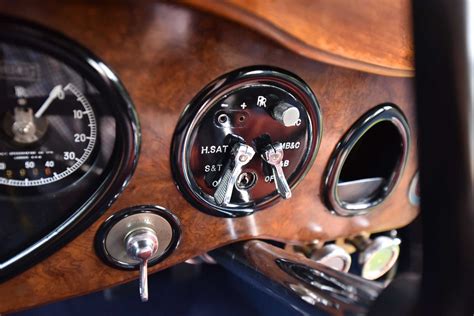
(377, 256)
(286, 114)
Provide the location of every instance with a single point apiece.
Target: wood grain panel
(368, 35)
(164, 54)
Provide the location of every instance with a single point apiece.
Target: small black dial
(45, 139)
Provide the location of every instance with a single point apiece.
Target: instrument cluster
(69, 141)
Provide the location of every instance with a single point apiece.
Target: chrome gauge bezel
(194, 112)
(126, 147)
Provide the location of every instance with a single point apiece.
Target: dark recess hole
(375, 156)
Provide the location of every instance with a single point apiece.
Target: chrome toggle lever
(142, 244)
(273, 155)
(241, 155)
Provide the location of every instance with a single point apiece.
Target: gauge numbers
(50, 144)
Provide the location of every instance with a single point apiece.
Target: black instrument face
(244, 107)
(68, 141)
(45, 136)
(253, 123)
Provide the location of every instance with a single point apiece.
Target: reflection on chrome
(324, 282)
(311, 297)
(304, 282)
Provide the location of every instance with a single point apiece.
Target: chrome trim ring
(382, 113)
(113, 232)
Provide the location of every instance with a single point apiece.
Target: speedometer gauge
(69, 141)
(47, 141)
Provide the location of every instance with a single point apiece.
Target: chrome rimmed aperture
(376, 189)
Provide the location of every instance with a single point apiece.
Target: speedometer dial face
(69, 141)
(45, 140)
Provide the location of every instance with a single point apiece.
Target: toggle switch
(273, 155)
(286, 114)
(142, 245)
(241, 155)
(257, 106)
(136, 238)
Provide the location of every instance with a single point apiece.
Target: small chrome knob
(142, 244)
(273, 155)
(333, 256)
(286, 114)
(241, 155)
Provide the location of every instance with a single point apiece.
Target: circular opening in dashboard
(368, 162)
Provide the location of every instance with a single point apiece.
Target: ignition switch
(246, 140)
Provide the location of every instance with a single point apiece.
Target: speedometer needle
(57, 92)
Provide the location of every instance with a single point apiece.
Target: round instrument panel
(69, 141)
(246, 140)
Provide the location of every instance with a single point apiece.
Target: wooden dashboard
(165, 53)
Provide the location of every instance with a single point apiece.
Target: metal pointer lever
(273, 155)
(142, 245)
(241, 155)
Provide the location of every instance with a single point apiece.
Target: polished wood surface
(164, 54)
(368, 35)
